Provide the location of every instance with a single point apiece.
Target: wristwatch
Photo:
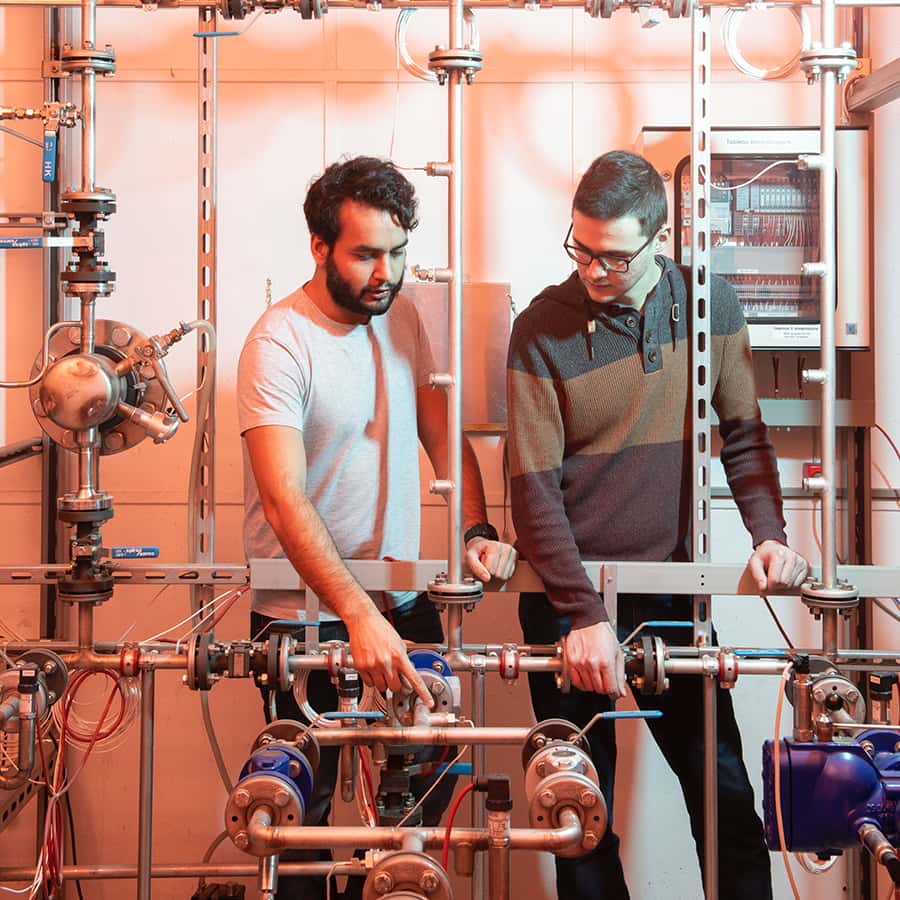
(482, 529)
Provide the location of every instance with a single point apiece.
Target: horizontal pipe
(744, 667)
(422, 735)
(296, 837)
(190, 870)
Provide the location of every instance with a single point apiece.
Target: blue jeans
(743, 857)
(417, 621)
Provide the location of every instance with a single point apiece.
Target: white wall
(557, 89)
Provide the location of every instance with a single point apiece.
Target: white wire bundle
(731, 24)
(81, 723)
(203, 616)
(370, 701)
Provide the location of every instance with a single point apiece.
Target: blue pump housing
(829, 789)
(285, 763)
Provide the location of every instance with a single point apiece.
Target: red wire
(889, 439)
(436, 764)
(445, 854)
(68, 700)
(367, 773)
(50, 852)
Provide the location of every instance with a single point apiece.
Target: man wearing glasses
(598, 384)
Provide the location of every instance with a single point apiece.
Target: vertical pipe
(498, 856)
(454, 628)
(267, 880)
(49, 622)
(88, 98)
(145, 811)
(455, 207)
(828, 360)
(85, 626)
(86, 440)
(479, 757)
(88, 318)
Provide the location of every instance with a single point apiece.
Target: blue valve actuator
(134, 552)
(48, 168)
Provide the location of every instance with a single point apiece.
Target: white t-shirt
(351, 391)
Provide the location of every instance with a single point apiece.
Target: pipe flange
(562, 678)
(652, 681)
(842, 596)
(552, 731)
(407, 874)
(94, 588)
(840, 60)
(280, 798)
(818, 665)
(728, 669)
(80, 59)
(465, 60)
(99, 202)
(285, 676)
(337, 659)
(839, 698)
(92, 278)
(199, 676)
(294, 733)
(274, 646)
(679, 9)
(557, 758)
(509, 662)
(99, 501)
(403, 704)
(465, 593)
(570, 790)
(53, 670)
(130, 661)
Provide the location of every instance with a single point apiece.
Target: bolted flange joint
(818, 59)
(843, 596)
(464, 60)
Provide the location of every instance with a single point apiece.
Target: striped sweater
(600, 432)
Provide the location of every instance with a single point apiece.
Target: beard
(360, 302)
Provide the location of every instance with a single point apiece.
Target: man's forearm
(310, 548)
(474, 508)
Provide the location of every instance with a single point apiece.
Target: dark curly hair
(365, 179)
(621, 184)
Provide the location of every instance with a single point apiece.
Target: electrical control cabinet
(764, 225)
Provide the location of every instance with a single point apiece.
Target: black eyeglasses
(610, 263)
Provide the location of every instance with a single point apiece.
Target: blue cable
(634, 714)
(365, 716)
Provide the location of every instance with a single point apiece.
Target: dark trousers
(417, 621)
(743, 857)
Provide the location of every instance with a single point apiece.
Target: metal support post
(828, 357)
(202, 499)
(454, 228)
(701, 271)
(145, 811)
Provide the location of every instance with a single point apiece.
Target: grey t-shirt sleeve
(272, 388)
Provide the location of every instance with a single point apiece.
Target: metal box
(764, 218)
